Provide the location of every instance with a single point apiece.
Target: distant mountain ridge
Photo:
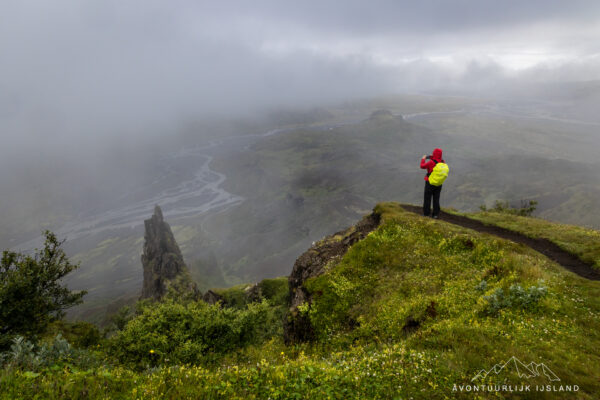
(523, 371)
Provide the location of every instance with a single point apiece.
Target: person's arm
(425, 164)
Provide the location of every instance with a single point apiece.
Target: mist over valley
(244, 202)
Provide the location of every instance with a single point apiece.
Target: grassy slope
(583, 242)
(413, 271)
(399, 315)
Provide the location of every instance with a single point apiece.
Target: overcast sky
(115, 68)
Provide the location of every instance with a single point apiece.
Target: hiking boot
(435, 217)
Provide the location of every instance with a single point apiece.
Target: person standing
(437, 171)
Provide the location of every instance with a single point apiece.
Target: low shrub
(25, 355)
(275, 290)
(526, 208)
(191, 333)
(517, 297)
(80, 334)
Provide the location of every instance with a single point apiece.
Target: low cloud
(78, 75)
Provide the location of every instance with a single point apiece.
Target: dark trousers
(431, 191)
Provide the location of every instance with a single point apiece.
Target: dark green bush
(275, 290)
(32, 294)
(192, 333)
(236, 297)
(80, 334)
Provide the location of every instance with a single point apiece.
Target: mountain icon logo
(522, 370)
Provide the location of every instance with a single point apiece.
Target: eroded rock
(162, 261)
(311, 264)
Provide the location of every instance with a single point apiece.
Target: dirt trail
(544, 246)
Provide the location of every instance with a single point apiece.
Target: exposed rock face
(253, 292)
(211, 297)
(162, 261)
(310, 264)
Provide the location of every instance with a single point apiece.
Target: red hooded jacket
(429, 164)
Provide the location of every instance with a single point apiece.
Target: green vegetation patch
(169, 333)
(582, 242)
(421, 282)
(355, 374)
(416, 309)
(275, 291)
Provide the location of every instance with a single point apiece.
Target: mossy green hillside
(434, 286)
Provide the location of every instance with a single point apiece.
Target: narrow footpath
(544, 246)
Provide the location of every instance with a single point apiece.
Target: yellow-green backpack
(439, 174)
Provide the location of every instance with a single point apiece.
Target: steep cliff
(162, 261)
(311, 264)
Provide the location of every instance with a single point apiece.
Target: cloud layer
(113, 69)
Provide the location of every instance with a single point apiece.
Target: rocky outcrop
(312, 263)
(253, 292)
(164, 268)
(211, 297)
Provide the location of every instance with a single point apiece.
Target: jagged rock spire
(162, 260)
(158, 213)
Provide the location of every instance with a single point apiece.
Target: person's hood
(437, 154)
